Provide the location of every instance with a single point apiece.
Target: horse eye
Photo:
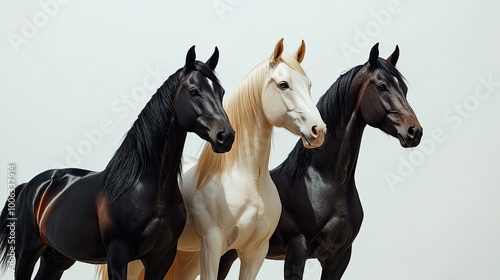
(382, 87)
(283, 85)
(193, 92)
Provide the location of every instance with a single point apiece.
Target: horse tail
(7, 227)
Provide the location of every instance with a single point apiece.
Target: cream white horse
(230, 200)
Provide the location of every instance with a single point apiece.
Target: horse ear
(190, 58)
(278, 50)
(212, 61)
(393, 58)
(373, 56)
(301, 52)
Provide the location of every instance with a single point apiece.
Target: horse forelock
(206, 71)
(392, 74)
(293, 63)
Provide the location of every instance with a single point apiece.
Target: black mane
(333, 104)
(333, 107)
(138, 149)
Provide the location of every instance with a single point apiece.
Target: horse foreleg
(186, 266)
(226, 261)
(295, 257)
(157, 265)
(252, 261)
(118, 258)
(212, 248)
(334, 268)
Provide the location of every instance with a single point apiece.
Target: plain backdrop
(431, 212)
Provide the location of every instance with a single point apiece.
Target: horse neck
(253, 146)
(338, 156)
(254, 150)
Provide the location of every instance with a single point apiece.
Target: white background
(440, 221)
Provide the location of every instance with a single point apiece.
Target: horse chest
(252, 226)
(337, 207)
(339, 231)
(250, 194)
(336, 235)
(258, 217)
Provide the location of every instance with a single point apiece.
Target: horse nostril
(314, 131)
(412, 132)
(220, 136)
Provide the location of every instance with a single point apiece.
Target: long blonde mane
(242, 108)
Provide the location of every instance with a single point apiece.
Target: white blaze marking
(210, 83)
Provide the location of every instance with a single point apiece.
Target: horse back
(40, 188)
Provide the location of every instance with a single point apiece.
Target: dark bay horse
(133, 209)
(322, 213)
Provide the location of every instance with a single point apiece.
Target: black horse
(322, 213)
(133, 209)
